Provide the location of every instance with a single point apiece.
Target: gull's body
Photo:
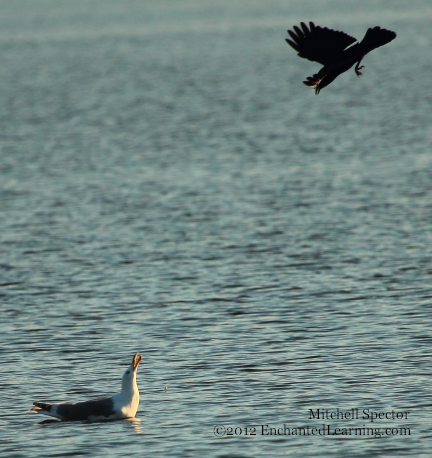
(122, 405)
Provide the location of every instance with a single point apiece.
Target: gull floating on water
(122, 405)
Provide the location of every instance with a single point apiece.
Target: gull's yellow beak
(136, 361)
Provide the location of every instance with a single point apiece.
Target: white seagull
(122, 405)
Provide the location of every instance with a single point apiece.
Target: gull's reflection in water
(48, 422)
(136, 424)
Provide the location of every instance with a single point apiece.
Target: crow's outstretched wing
(319, 44)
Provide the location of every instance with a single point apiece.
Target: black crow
(333, 49)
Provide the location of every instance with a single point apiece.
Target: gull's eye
(127, 372)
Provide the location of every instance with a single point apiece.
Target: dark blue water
(168, 185)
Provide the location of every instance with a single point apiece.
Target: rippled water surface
(168, 185)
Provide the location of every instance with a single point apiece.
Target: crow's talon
(358, 72)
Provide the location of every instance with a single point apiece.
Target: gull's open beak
(136, 361)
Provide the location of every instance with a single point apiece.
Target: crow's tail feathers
(375, 38)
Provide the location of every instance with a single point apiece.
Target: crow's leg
(358, 68)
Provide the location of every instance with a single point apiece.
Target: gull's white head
(129, 377)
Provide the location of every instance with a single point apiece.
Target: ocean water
(168, 185)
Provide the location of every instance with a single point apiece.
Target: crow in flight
(332, 49)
